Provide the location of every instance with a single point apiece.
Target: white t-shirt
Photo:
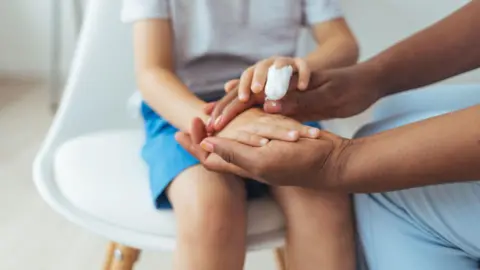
(216, 40)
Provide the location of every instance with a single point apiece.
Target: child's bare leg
(320, 233)
(211, 220)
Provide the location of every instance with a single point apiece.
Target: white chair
(413, 106)
(89, 168)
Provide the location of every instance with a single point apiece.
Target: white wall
(25, 27)
(25, 31)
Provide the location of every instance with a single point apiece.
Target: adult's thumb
(289, 105)
(233, 152)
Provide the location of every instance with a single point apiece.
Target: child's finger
(260, 75)
(304, 131)
(250, 139)
(208, 109)
(303, 73)
(273, 132)
(282, 62)
(230, 85)
(198, 131)
(232, 110)
(308, 132)
(217, 111)
(185, 140)
(245, 83)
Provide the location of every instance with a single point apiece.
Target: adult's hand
(331, 94)
(336, 93)
(309, 163)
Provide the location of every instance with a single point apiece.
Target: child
(185, 50)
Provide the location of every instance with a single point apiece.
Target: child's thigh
(197, 192)
(299, 204)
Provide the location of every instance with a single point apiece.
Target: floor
(32, 236)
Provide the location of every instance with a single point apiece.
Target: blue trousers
(427, 228)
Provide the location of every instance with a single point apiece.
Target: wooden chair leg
(280, 259)
(120, 257)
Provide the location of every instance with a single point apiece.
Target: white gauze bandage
(278, 80)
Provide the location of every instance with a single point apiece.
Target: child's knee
(208, 207)
(196, 185)
(211, 222)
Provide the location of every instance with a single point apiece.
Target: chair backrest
(101, 77)
(95, 98)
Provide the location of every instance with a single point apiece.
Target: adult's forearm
(445, 49)
(438, 150)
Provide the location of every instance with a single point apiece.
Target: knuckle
(247, 73)
(262, 119)
(264, 62)
(300, 61)
(229, 157)
(281, 61)
(306, 71)
(238, 136)
(248, 138)
(253, 139)
(304, 129)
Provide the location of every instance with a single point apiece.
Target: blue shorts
(166, 158)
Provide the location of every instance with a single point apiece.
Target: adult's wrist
(355, 167)
(370, 73)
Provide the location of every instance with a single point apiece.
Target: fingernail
(263, 142)
(242, 97)
(207, 146)
(209, 121)
(219, 119)
(314, 132)
(274, 104)
(257, 86)
(293, 134)
(302, 85)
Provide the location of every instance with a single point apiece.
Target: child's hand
(255, 127)
(226, 109)
(255, 77)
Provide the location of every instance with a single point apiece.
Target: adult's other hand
(309, 163)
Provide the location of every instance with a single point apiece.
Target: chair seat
(102, 174)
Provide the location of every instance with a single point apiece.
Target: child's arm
(169, 97)
(156, 79)
(336, 47)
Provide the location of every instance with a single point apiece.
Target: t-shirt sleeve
(318, 11)
(134, 10)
